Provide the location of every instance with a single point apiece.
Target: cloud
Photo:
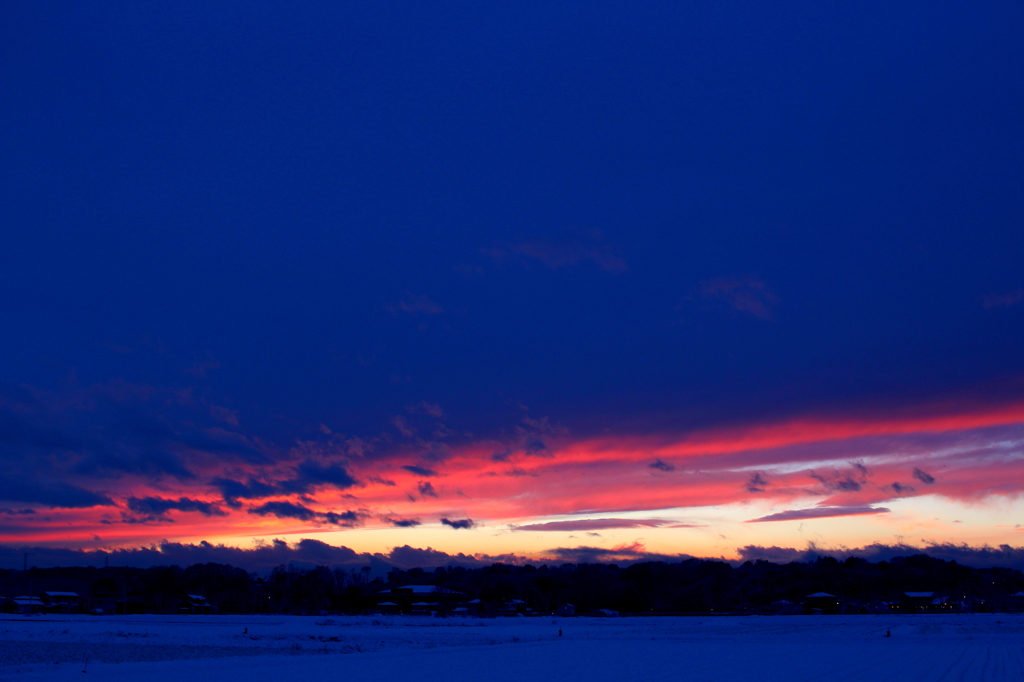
(290, 510)
(426, 489)
(415, 305)
(262, 558)
(158, 506)
(628, 554)
(201, 368)
(976, 557)
(1004, 300)
(285, 510)
(661, 466)
(407, 557)
(901, 488)
(924, 476)
(557, 255)
(224, 414)
(51, 494)
(232, 491)
(458, 524)
(751, 296)
(16, 512)
(594, 524)
(401, 523)
(419, 471)
(429, 409)
(402, 424)
(849, 481)
(757, 483)
(819, 513)
(310, 474)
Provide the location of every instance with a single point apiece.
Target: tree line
(691, 586)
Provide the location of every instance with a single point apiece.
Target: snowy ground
(723, 649)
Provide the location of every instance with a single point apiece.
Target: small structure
(195, 603)
(28, 604)
(410, 598)
(513, 607)
(424, 608)
(62, 602)
(916, 601)
(822, 602)
(389, 607)
(565, 610)
(784, 607)
(605, 613)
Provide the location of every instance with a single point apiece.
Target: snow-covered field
(723, 649)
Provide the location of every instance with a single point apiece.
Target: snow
(971, 647)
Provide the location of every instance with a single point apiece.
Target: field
(723, 649)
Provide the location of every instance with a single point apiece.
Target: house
(604, 613)
(409, 590)
(784, 607)
(407, 596)
(916, 601)
(822, 602)
(424, 608)
(473, 607)
(194, 603)
(28, 604)
(389, 607)
(565, 610)
(62, 602)
(513, 607)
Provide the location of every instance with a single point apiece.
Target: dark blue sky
(629, 216)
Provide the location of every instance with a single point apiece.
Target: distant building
(920, 601)
(195, 603)
(62, 602)
(389, 607)
(28, 604)
(565, 610)
(411, 598)
(821, 602)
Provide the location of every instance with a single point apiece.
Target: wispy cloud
(1003, 300)
(594, 524)
(415, 305)
(419, 471)
(430, 409)
(747, 295)
(819, 513)
(563, 254)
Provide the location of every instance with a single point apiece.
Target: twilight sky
(516, 278)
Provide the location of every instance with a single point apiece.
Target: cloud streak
(819, 513)
(594, 524)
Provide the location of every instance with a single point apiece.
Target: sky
(511, 279)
